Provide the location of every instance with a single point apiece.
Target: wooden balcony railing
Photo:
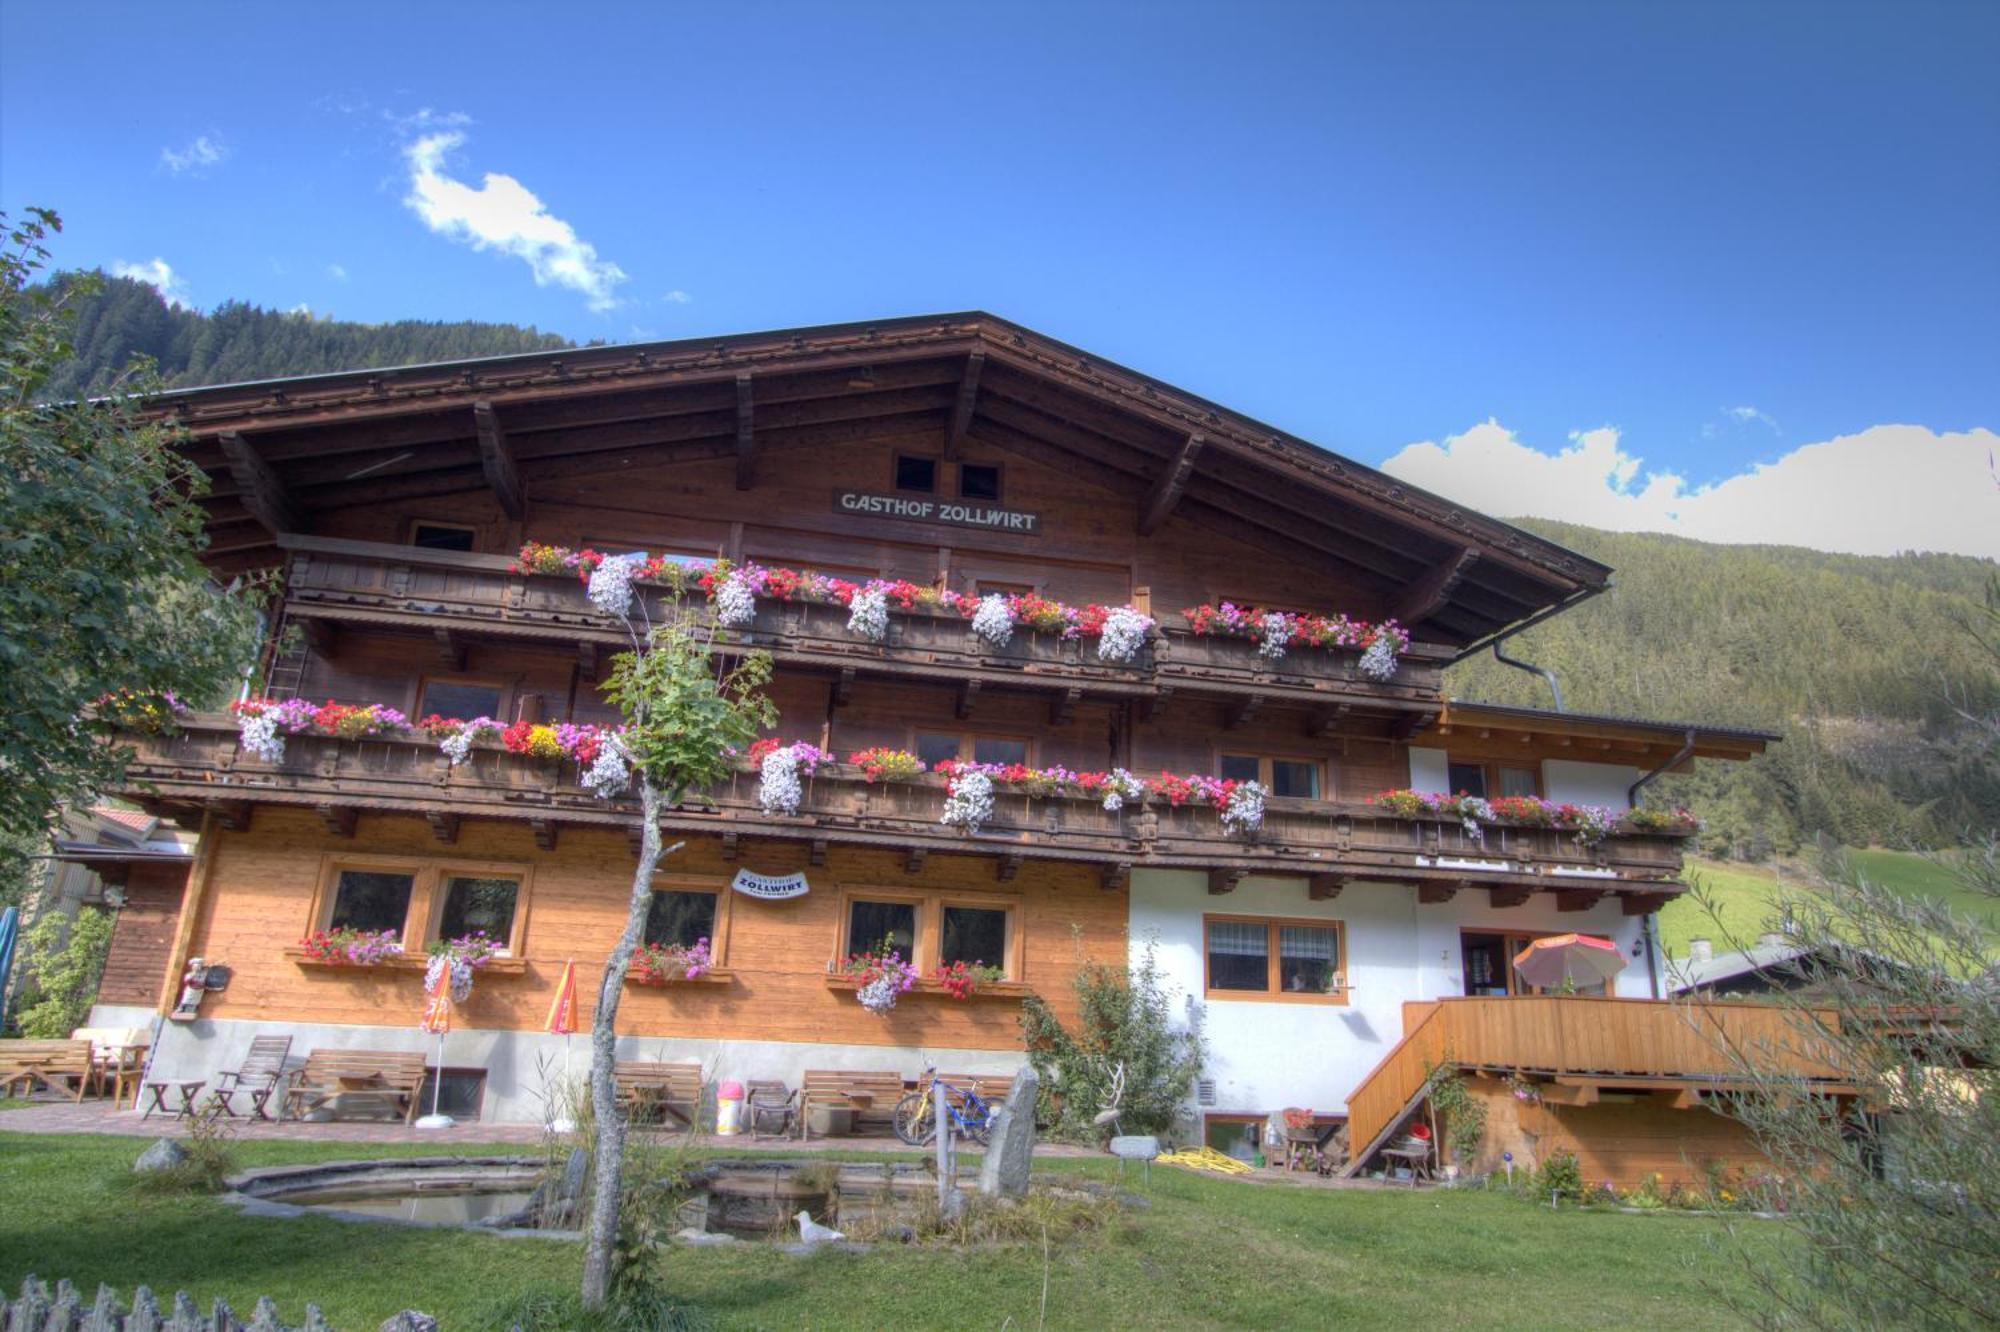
(1588, 1041)
(366, 582)
(205, 766)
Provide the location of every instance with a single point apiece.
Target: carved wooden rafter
(1436, 892)
(1240, 711)
(1010, 865)
(968, 399)
(1324, 724)
(1324, 887)
(843, 686)
(339, 819)
(1509, 895)
(545, 833)
(1428, 595)
(450, 649)
(1645, 904)
(444, 826)
(1115, 877)
(496, 460)
(1062, 706)
(1578, 899)
(322, 636)
(258, 487)
(968, 697)
(732, 846)
(1166, 494)
(816, 851)
(746, 434)
(913, 859)
(1155, 703)
(1222, 881)
(232, 815)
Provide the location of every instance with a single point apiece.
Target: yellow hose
(1205, 1158)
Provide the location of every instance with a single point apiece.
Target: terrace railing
(204, 765)
(366, 582)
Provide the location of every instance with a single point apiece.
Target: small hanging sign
(770, 887)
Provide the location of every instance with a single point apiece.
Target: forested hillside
(238, 342)
(1861, 662)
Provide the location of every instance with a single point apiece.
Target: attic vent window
(978, 481)
(1204, 1091)
(918, 475)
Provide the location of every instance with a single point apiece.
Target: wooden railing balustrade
(1579, 1038)
(205, 765)
(373, 583)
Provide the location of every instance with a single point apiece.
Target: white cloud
(336, 272)
(302, 310)
(677, 297)
(504, 215)
(1745, 415)
(1889, 488)
(160, 275)
(201, 152)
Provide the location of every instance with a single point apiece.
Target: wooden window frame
(896, 467)
(1272, 994)
(1265, 758)
(1517, 939)
(853, 573)
(929, 933)
(1491, 770)
(718, 939)
(999, 481)
(967, 739)
(505, 686)
(410, 533)
(653, 548)
(426, 909)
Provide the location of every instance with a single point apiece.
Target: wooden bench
(25, 1063)
(991, 1088)
(394, 1077)
(872, 1094)
(651, 1093)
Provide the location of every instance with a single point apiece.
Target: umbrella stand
(434, 1120)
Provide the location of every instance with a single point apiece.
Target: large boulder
(162, 1155)
(1010, 1147)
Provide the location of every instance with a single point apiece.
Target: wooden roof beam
(746, 434)
(496, 460)
(968, 399)
(259, 488)
(1167, 491)
(1425, 597)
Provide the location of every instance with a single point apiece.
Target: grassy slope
(1205, 1253)
(1743, 896)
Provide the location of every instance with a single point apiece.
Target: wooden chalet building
(961, 453)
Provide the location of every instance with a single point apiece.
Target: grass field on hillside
(1745, 895)
(1193, 1252)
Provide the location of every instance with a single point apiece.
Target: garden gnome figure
(193, 986)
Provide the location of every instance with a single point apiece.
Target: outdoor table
(365, 1088)
(189, 1087)
(1418, 1159)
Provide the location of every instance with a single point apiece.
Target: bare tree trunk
(602, 1231)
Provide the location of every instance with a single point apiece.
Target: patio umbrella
(1575, 959)
(10, 927)
(562, 1022)
(437, 1021)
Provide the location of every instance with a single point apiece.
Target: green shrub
(1561, 1175)
(62, 973)
(1125, 1020)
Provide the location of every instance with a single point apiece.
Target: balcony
(1323, 841)
(1574, 1047)
(366, 583)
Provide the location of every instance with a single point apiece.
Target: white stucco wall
(1265, 1056)
(1429, 770)
(1568, 782)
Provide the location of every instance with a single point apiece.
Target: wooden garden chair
(258, 1076)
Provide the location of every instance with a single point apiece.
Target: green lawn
(1206, 1252)
(1744, 896)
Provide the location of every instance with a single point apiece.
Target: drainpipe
(1647, 937)
(1681, 756)
(1532, 669)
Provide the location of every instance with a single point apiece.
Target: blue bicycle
(916, 1119)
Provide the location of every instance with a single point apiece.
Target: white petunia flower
(994, 620)
(778, 788)
(611, 586)
(1243, 809)
(736, 600)
(969, 800)
(1273, 633)
(1124, 634)
(611, 771)
(868, 614)
(260, 736)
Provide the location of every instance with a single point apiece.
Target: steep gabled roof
(279, 449)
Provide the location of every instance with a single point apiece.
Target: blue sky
(1722, 233)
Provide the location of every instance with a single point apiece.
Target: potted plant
(960, 979)
(663, 964)
(349, 947)
(883, 975)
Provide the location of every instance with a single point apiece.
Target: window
(978, 481)
(482, 904)
(1488, 959)
(873, 924)
(933, 929)
(463, 699)
(853, 573)
(422, 899)
(681, 917)
(1283, 777)
(973, 935)
(443, 536)
(1489, 780)
(460, 1095)
(1234, 1135)
(934, 747)
(916, 474)
(366, 900)
(1258, 957)
(986, 587)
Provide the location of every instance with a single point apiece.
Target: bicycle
(915, 1119)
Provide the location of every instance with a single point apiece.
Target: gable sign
(770, 887)
(951, 513)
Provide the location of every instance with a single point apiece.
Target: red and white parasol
(1580, 960)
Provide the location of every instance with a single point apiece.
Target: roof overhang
(1596, 737)
(278, 450)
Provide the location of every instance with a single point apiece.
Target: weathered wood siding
(1618, 1140)
(142, 939)
(264, 881)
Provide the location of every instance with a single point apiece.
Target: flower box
(416, 962)
(713, 976)
(1005, 991)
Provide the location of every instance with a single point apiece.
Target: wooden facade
(960, 453)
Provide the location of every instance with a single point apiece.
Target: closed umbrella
(10, 927)
(1575, 960)
(562, 1022)
(437, 1021)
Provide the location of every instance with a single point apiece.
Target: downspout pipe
(1681, 756)
(1554, 688)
